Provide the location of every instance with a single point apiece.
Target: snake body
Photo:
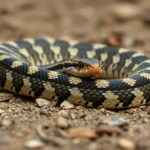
(125, 80)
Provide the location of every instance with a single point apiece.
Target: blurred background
(123, 23)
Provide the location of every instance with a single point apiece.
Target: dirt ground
(25, 125)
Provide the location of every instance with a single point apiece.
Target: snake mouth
(93, 72)
(86, 68)
(79, 67)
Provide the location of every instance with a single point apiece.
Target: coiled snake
(124, 83)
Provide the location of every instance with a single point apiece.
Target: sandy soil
(103, 21)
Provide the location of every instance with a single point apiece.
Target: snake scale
(125, 78)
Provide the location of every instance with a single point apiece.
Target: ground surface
(101, 21)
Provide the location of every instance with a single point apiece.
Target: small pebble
(143, 107)
(126, 144)
(141, 115)
(62, 123)
(4, 96)
(82, 115)
(49, 139)
(33, 144)
(115, 121)
(105, 111)
(7, 122)
(4, 140)
(76, 141)
(1, 111)
(42, 102)
(131, 110)
(145, 120)
(148, 112)
(93, 146)
(115, 39)
(124, 11)
(88, 117)
(44, 112)
(64, 114)
(102, 129)
(61, 133)
(73, 115)
(82, 132)
(129, 42)
(79, 107)
(67, 105)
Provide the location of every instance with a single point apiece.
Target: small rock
(102, 129)
(67, 105)
(64, 114)
(143, 107)
(93, 146)
(73, 115)
(124, 11)
(115, 121)
(145, 120)
(7, 122)
(148, 112)
(76, 141)
(4, 140)
(66, 37)
(49, 139)
(82, 115)
(26, 108)
(105, 111)
(129, 42)
(62, 123)
(97, 113)
(42, 102)
(79, 107)
(82, 132)
(44, 112)
(61, 133)
(34, 144)
(115, 39)
(131, 110)
(141, 115)
(4, 96)
(126, 144)
(88, 117)
(1, 111)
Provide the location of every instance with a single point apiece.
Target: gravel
(27, 124)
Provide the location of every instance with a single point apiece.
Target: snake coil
(125, 83)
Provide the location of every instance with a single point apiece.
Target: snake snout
(84, 67)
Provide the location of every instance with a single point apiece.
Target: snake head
(79, 67)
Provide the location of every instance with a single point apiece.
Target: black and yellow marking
(125, 83)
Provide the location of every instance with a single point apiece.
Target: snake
(33, 68)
